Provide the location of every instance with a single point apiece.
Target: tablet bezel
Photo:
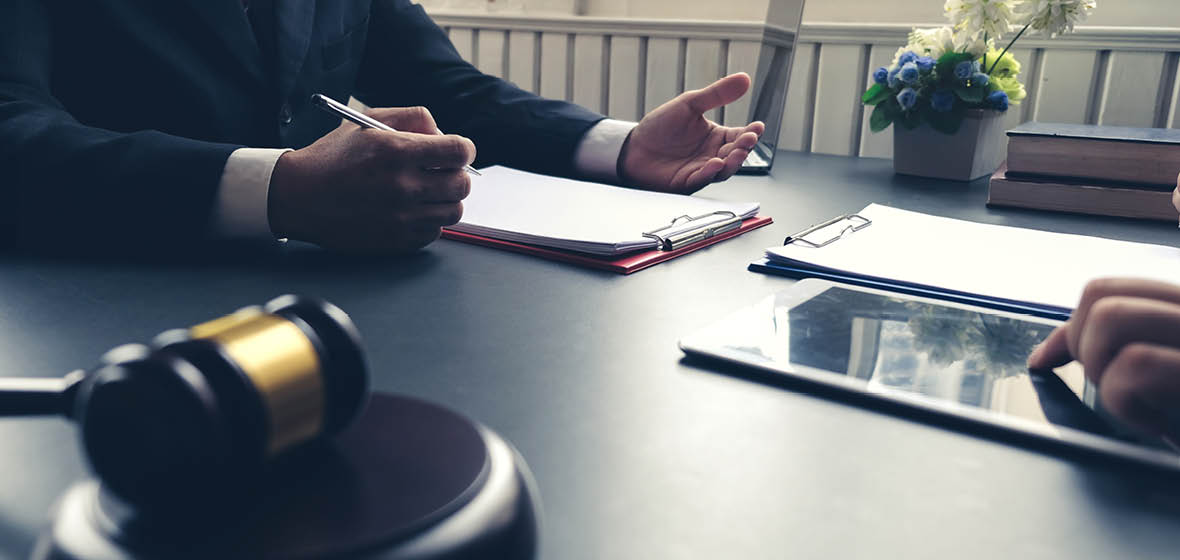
(940, 412)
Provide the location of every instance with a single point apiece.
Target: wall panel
(702, 66)
(626, 67)
(555, 65)
(742, 57)
(1066, 81)
(590, 72)
(492, 46)
(524, 60)
(627, 77)
(799, 115)
(1132, 89)
(839, 86)
(665, 71)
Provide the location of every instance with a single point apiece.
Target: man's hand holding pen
(373, 191)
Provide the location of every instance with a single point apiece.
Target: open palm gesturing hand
(676, 149)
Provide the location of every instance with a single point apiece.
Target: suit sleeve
(410, 61)
(66, 184)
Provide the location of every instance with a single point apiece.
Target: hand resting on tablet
(1126, 333)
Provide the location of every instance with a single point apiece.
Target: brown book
(1147, 156)
(1066, 195)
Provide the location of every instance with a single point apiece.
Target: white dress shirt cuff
(239, 208)
(597, 157)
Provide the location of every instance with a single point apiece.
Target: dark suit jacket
(117, 116)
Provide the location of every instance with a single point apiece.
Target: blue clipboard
(857, 223)
(767, 266)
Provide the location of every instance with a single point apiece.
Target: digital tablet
(955, 365)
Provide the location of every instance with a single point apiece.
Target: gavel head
(200, 412)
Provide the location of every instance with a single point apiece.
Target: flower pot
(976, 150)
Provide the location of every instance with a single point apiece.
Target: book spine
(1154, 165)
(1083, 199)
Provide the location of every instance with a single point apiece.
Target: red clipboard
(625, 264)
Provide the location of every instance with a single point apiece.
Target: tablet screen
(942, 353)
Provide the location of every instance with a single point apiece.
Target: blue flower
(979, 79)
(909, 73)
(925, 63)
(943, 100)
(964, 70)
(893, 79)
(881, 76)
(906, 58)
(998, 100)
(907, 98)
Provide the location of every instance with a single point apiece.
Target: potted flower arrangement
(948, 88)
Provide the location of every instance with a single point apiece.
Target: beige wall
(1120, 70)
(1137, 13)
(740, 10)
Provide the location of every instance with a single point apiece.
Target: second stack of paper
(994, 261)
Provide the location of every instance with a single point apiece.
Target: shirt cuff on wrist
(597, 157)
(240, 205)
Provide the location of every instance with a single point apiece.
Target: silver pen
(344, 111)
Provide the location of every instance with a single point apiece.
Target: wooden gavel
(200, 411)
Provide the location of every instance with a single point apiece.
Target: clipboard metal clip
(673, 236)
(856, 222)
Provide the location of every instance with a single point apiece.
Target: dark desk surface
(638, 455)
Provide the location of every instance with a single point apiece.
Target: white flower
(937, 41)
(976, 18)
(1054, 17)
(933, 42)
(973, 44)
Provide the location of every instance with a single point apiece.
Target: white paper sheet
(995, 261)
(592, 218)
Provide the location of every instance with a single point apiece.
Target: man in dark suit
(151, 123)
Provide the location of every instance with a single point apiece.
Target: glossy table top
(638, 454)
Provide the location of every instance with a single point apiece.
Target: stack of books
(1105, 170)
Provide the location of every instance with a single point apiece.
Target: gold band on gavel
(282, 364)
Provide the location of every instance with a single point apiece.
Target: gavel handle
(28, 396)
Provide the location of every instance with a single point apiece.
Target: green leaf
(875, 95)
(947, 62)
(954, 57)
(880, 119)
(870, 93)
(971, 94)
